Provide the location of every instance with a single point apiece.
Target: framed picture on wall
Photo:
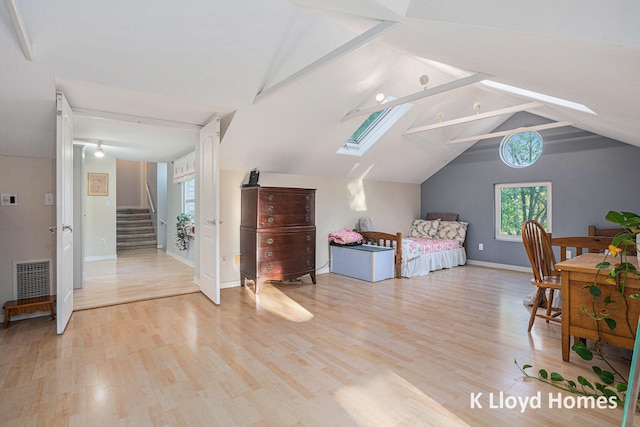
(98, 184)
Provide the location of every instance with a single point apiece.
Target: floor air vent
(31, 278)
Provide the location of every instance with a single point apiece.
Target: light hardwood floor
(134, 276)
(400, 352)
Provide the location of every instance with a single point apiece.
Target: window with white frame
(520, 202)
(189, 197)
(372, 129)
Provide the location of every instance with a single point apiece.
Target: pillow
(424, 228)
(452, 230)
(366, 224)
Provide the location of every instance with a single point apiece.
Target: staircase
(134, 229)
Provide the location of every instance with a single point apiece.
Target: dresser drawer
(287, 198)
(277, 267)
(287, 239)
(286, 251)
(277, 208)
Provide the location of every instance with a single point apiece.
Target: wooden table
(579, 272)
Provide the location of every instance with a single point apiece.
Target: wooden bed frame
(377, 238)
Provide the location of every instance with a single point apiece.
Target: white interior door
(209, 211)
(64, 211)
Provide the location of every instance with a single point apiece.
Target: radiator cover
(31, 278)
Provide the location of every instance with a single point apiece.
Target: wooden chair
(537, 243)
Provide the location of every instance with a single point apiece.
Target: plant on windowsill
(614, 384)
(185, 231)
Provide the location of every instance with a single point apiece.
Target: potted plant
(185, 230)
(611, 383)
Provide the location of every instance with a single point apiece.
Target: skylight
(372, 129)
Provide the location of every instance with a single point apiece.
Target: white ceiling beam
(479, 116)
(19, 28)
(136, 119)
(465, 81)
(351, 45)
(508, 132)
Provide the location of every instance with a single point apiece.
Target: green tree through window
(517, 203)
(521, 149)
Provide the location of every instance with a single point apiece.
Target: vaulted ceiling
(285, 74)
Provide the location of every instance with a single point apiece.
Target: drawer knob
(269, 253)
(270, 197)
(269, 241)
(307, 208)
(307, 198)
(308, 238)
(308, 249)
(270, 208)
(308, 262)
(269, 267)
(306, 218)
(270, 219)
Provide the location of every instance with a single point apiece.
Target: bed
(437, 242)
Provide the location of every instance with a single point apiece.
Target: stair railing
(146, 186)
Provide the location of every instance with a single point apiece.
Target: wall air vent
(31, 278)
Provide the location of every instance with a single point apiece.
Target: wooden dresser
(277, 234)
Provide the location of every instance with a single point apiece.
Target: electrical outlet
(480, 246)
(103, 241)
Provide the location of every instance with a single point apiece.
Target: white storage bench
(364, 262)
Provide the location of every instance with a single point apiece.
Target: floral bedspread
(416, 246)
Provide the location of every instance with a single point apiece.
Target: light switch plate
(9, 200)
(48, 199)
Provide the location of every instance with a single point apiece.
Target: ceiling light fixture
(99, 152)
(424, 80)
(380, 98)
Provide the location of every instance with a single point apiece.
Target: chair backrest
(537, 243)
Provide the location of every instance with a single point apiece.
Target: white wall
(339, 204)
(24, 228)
(129, 192)
(99, 212)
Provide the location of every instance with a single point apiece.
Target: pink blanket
(345, 237)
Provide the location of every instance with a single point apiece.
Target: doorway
(114, 273)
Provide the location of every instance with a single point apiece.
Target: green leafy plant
(618, 274)
(611, 384)
(185, 231)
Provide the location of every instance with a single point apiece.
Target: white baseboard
(179, 258)
(99, 258)
(236, 283)
(499, 266)
(232, 284)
